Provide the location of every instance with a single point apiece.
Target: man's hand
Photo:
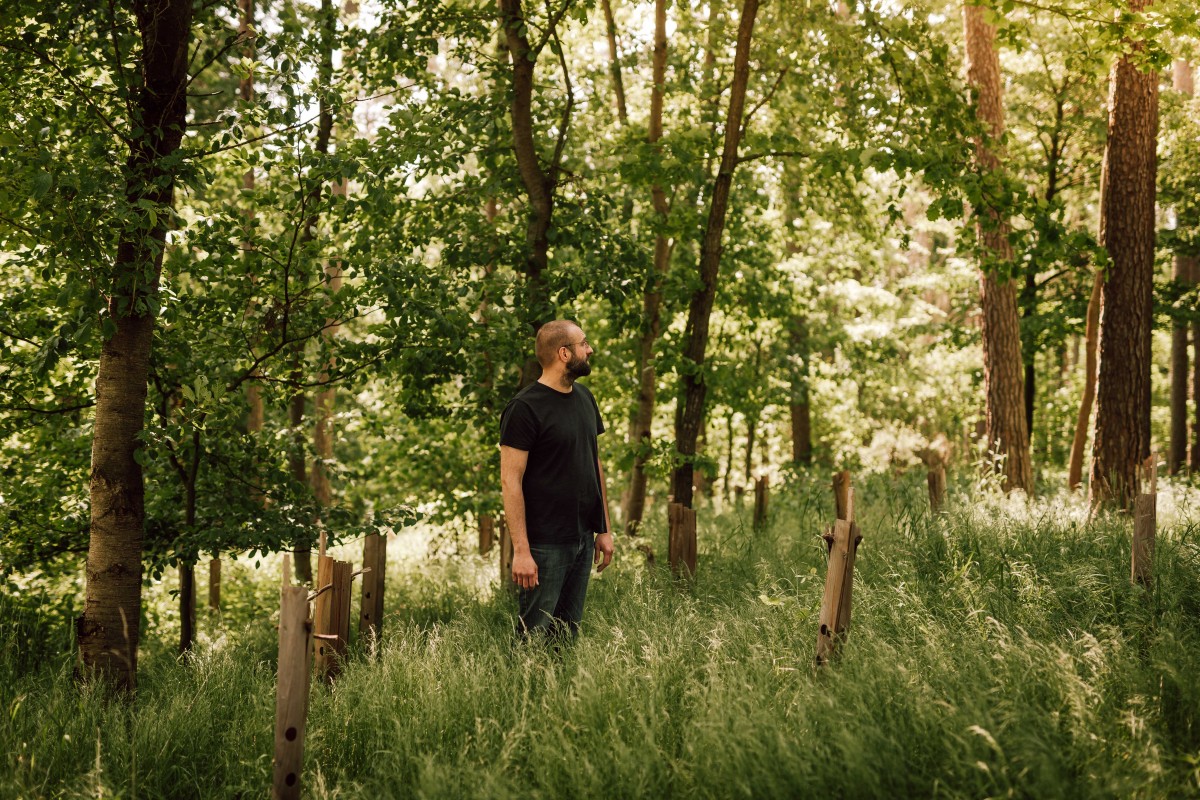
(604, 551)
(524, 570)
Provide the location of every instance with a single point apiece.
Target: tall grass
(997, 650)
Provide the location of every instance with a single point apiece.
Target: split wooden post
(681, 541)
(331, 617)
(291, 694)
(506, 558)
(370, 617)
(837, 601)
(1145, 512)
(761, 498)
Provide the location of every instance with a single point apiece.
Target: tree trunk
(1127, 231)
(799, 406)
(1182, 272)
(108, 629)
(614, 61)
(1090, 350)
(539, 185)
(690, 410)
(635, 497)
(1008, 436)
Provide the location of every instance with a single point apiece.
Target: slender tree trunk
(799, 406)
(108, 629)
(1007, 433)
(1194, 457)
(614, 61)
(1127, 231)
(1090, 353)
(1183, 271)
(539, 185)
(751, 435)
(187, 569)
(635, 505)
(690, 410)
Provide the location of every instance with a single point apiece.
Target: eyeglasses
(574, 344)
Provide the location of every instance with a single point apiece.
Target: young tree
(1127, 231)
(689, 414)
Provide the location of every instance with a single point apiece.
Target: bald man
(553, 485)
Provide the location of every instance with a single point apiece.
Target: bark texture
(1183, 271)
(1122, 440)
(635, 497)
(539, 184)
(689, 414)
(108, 629)
(1007, 434)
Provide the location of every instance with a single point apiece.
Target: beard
(578, 368)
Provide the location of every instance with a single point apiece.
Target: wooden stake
(835, 580)
(375, 564)
(506, 558)
(843, 496)
(291, 698)
(332, 615)
(761, 498)
(1145, 513)
(681, 541)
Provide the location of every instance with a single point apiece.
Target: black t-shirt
(563, 500)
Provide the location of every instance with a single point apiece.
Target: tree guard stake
(837, 600)
(291, 699)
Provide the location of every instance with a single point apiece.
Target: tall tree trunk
(635, 497)
(1127, 231)
(1090, 353)
(1194, 457)
(799, 405)
(1183, 270)
(108, 629)
(539, 185)
(689, 413)
(1006, 429)
(187, 569)
(614, 61)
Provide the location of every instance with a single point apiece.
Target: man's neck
(560, 382)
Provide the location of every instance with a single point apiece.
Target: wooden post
(761, 497)
(506, 558)
(291, 697)
(214, 584)
(487, 529)
(935, 457)
(838, 600)
(681, 542)
(332, 615)
(1144, 525)
(374, 565)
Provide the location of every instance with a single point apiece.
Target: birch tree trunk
(1007, 434)
(108, 629)
(1127, 231)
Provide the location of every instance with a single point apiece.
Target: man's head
(562, 347)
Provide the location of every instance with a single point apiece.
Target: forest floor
(997, 650)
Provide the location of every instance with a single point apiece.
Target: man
(553, 485)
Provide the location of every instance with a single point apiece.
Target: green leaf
(41, 185)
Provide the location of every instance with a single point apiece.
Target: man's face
(578, 366)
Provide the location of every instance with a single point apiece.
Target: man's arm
(512, 472)
(604, 542)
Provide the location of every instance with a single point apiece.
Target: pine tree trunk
(635, 496)
(690, 410)
(1008, 436)
(1182, 272)
(1127, 231)
(108, 629)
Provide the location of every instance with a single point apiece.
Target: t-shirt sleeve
(518, 426)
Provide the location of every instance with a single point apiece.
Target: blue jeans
(554, 607)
